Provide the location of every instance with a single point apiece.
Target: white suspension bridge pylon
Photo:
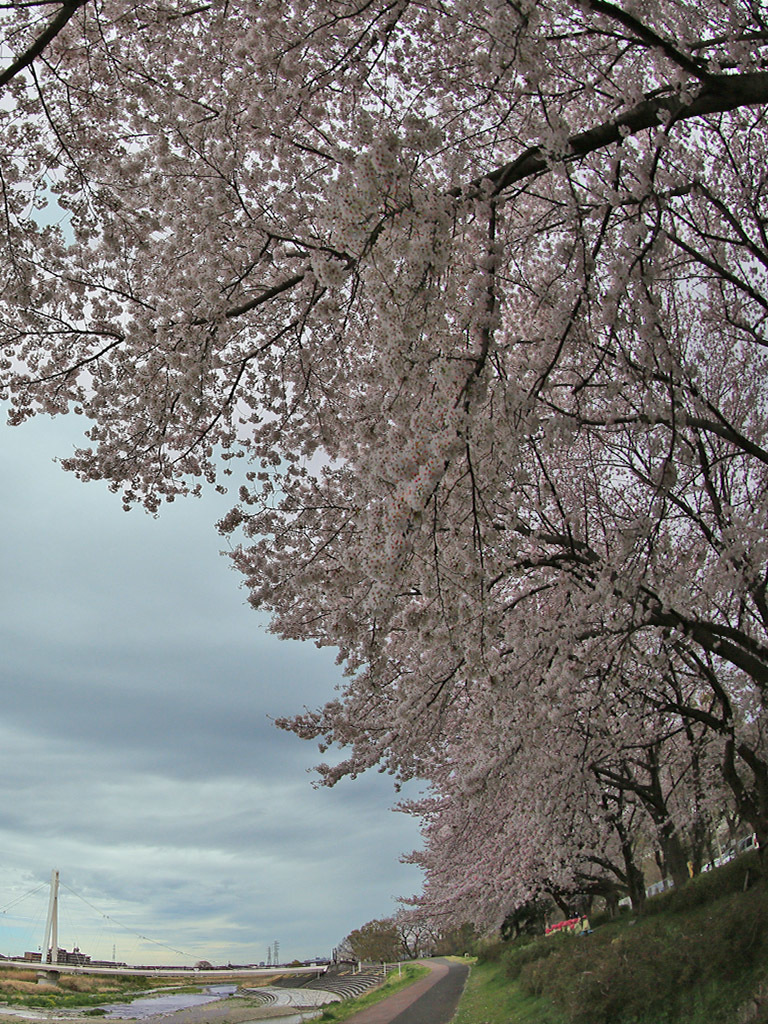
(50, 953)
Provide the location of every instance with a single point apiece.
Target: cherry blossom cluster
(466, 306)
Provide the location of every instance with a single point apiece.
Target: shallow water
(149, 1006)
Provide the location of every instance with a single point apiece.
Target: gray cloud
(137, 752)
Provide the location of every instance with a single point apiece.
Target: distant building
(75, 958)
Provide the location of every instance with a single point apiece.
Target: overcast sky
(136, 748)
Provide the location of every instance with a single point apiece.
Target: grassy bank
(20, 988)
(337, 1012)
(491, 998)
(698, 956)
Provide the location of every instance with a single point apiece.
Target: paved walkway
(431, 1000)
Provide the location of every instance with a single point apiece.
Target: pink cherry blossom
(467, 304)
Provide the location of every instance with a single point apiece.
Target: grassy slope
(696, 957)
(491, 998)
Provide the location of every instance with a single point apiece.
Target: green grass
(65, 1000)
(340, 1011)
(491, 998)
(116, 990)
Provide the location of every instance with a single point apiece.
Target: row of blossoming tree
(467, 302)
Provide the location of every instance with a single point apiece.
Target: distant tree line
(401, 937)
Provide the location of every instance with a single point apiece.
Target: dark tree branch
(45, 37)
(721, 94)
(650, 38)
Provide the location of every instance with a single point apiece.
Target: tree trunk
(635, 882)
(675, 859)
(751, 801)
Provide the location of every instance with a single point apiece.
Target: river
(150, 1006)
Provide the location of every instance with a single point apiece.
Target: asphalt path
(431, 1000)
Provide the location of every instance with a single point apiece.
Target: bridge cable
(18, 899)
(119, 924)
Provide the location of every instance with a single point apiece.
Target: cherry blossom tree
(566, 800)
(476, 332)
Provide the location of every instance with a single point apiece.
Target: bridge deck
(160, 972)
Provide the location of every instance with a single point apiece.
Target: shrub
(517, 957)
(658, 969)
(490, 950)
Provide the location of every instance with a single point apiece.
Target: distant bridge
(49, 967)
(47, 970)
